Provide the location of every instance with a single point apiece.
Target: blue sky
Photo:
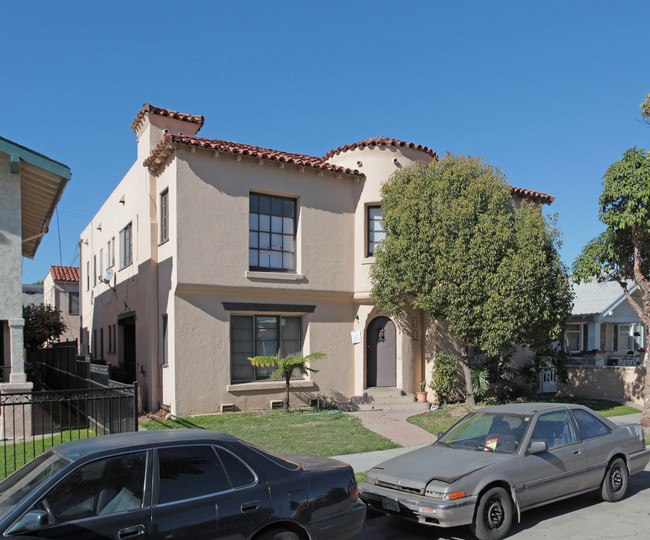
(547, 91)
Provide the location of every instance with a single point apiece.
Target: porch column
(17, 351)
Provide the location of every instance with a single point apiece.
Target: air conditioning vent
(227, 407)
(276, 404)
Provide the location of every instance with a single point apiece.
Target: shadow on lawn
(176, 423)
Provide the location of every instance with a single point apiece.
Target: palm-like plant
(284, 367)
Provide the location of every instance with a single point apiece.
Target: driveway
(584, 517)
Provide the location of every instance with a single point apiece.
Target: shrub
(445, 381)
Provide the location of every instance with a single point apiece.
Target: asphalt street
(578, 518)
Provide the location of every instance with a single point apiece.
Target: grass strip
(323, 433)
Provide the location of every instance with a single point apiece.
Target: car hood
(417, 468)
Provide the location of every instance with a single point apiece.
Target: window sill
(368, 260)
(273, 276)
(268, 385)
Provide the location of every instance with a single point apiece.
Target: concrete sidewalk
(394, 426)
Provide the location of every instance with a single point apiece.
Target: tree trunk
(467, 372)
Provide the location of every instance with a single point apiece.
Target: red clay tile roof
(378, 141)
(535, 195)
(65, 273)
(164, 149)
(146, 108)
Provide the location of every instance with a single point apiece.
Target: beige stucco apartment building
(210, 251)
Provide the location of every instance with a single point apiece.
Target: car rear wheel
(278, 534)
(493, 516)
(614, 484)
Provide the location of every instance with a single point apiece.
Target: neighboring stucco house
(209, 252)
(604, 329)
(31, 186)
(61, 291)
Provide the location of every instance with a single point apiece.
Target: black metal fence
(33, 422)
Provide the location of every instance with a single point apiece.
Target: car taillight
(353, 491)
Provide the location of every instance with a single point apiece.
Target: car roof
(138, 439)
(528, 408)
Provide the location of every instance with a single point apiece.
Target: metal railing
(33, 422)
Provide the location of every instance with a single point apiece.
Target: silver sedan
(499, 461)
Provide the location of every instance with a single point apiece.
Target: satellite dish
(108, 275)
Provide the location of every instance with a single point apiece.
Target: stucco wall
(605, 382)
(10, 242)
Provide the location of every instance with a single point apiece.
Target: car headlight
(445, 496)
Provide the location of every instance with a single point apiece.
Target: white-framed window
(375, 231)
(272, 233)
(628, 337)
(87, 275)
(110, 253)
(576, 337)
(261, 335)
(94, 270)
(126, 246)
(164, 216)
(101, 263)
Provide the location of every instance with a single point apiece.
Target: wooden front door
(381, 353)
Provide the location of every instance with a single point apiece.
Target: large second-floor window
(126, 246)
(164, 216)
(261, 335)
(272, 233)
(375, 230)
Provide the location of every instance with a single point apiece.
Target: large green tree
(43, 324)
(622, 251)
(460, 249)
(645, 109)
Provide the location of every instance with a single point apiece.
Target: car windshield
(28, 478)
(487, 432)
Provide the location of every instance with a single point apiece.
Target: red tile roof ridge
(154, 161)
(379, 141)
(151, 109)
(531, 194)
(64, 273)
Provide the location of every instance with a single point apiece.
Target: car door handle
(247, 507)
(131, 532)
(577, 452)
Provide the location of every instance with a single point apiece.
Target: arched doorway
(381, 353)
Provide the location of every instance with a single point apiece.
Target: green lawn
(324, 433)
(19, 454)
(447, 415)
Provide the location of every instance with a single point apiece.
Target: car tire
(494, 515)
(278, 534)
(614, 484)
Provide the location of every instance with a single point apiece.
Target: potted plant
(422, 392)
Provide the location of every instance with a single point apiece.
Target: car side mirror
(538, 447)
(34, 520)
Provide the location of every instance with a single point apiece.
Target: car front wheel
(615, 482)
(493, 515)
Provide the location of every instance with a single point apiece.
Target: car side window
(102, 487)
(240, 475)
(589, 425)
(187, 472)
(555, 428)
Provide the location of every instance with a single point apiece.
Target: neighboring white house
(604, 329)
(61, 291)
(208, 252)
(32, 294)
(31, 185)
